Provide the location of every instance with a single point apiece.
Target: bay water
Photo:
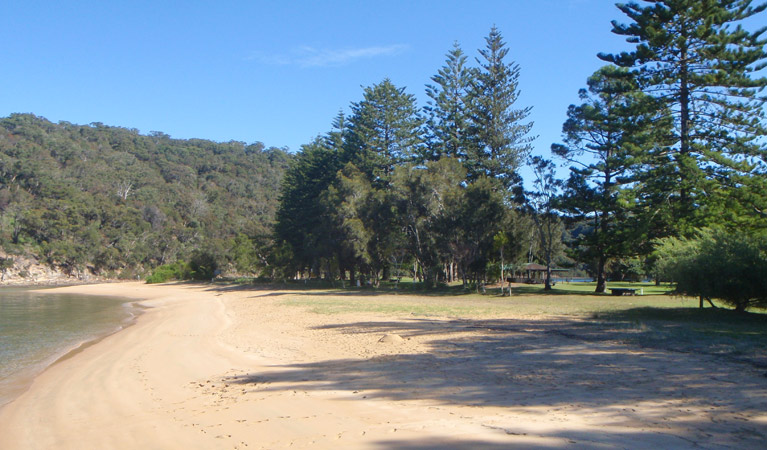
(38, 328)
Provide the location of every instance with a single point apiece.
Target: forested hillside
(96, 199)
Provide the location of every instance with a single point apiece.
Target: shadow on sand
(541, 365)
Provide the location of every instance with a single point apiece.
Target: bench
(623, 291)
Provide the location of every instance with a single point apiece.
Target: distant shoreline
(59, 283)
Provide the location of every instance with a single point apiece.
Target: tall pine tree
(448, 116)
(696, 57)
(501, 139)
(605, 140)
(385, 130)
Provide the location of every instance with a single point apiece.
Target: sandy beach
(214, 367)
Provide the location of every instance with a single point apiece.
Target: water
(37, 328)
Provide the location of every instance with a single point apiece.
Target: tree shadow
(727, 334)
(533, 289)
(323, 288)
(535, 364)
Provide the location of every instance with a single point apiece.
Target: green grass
(653, 320)
(454, 301)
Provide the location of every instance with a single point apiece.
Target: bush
(717, 265)
(202, 266)
(176, 271)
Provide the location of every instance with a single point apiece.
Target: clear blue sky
(278, 72)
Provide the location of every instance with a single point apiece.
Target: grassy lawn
(453, 301)
(652, 320)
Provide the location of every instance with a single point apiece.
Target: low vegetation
(657, 319)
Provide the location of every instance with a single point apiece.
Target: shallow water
(38, 328)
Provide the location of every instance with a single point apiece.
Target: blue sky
(279, 72)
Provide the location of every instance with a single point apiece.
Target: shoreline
(136, 311)
(19, 382)
(225, 367)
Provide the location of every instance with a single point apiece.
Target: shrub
(731, 267)
(175, 271)
(202, 266)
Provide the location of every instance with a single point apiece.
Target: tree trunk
(547, 286)
(601, 279)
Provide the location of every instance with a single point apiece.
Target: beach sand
(213, 367)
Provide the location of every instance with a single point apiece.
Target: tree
(423, 196)
(448, 116)
(605, 140)
(542, 204)
(473, 220)
(301, 217)
(384, 130)
(58, 187)
(689, 56)
(715, 264)
(501, 140)
(365, 217)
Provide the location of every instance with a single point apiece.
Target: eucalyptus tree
(542, 202)
(697, 58)
(424, 194)
(366, 220)
(501, 137)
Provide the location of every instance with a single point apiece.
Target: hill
(109, 201)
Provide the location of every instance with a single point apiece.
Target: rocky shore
(28, 271)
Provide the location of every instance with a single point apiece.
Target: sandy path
(229, 368)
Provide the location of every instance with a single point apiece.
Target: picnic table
(623, 291)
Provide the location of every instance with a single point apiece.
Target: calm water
(36, 329)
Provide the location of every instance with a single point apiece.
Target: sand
(214, 367)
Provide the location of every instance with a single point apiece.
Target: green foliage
(110, 200)
(542, 204)
(423, 196)
(384, 130)
(626, 269)
(501, 140)
(696, 58)
(202, 266)
(302, 218)
(388, 193)
(728, 266)
(613, 129)
(169, 272)
(448, 110)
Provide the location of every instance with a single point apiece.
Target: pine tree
(384, 130)
(301, 220)
(501, 140)
(689, 55)
(448, 121)
(606, 139)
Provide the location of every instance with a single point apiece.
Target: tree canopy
(112, 201)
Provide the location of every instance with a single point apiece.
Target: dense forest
(667, 158)
(95, 199)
